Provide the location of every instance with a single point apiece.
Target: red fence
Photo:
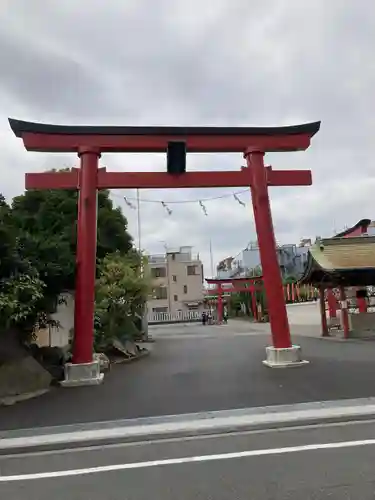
(300, 293)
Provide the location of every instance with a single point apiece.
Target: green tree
(121, 295)
(21, 290)
(289, 280)
(37, 255)
(46, 221)
(8, 241)
(19, 298)
(235, 304)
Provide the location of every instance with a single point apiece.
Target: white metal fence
(179, 317)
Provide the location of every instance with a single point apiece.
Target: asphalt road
(200, 369)
(334, 461)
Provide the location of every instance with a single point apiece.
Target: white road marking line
(185, 460)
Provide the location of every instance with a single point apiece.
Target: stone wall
(362, 324)
(64, 315)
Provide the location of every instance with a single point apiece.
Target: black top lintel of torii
(20, 127)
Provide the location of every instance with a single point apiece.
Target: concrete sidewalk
(184, 426)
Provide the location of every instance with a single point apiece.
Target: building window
(191, 270)
(175, 298)
(158, 272)
(174, 278)
(160, 292)
(160, 309)
(185, 288)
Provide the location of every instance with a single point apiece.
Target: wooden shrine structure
(337, 264)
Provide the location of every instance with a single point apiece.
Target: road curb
(182, 426)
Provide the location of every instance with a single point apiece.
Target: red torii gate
(238, 285)
(90, 141)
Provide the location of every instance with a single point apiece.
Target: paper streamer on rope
(128, 201)
(204, 209)
(129, 204)
(239, 201)
(169, 211)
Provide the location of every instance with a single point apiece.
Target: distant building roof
(356, 230)
(349, 261)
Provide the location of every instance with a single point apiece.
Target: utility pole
(168, 277)
(139, 222)
(144, 319)
(211, 260)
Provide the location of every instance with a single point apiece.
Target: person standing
(204, 318)
(225, 316)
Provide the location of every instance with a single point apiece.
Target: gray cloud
(46, 81)
(268, 62)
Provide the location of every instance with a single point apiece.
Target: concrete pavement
(278, 452)
(221, 370)
(304, 319)
(332, 461)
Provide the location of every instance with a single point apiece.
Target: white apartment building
(292, 260)
(177, 282)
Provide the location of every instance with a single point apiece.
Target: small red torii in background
(89, 142)
(247, 285)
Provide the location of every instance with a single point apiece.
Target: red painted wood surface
(158, 144)
(267, 249)
(163, 180)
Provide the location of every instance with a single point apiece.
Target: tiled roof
(345, 253)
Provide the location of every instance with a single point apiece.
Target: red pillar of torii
(90, 141)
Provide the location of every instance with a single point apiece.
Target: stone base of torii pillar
(287, 357)
(80, 374)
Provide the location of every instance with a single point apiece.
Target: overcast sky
(211, 62)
